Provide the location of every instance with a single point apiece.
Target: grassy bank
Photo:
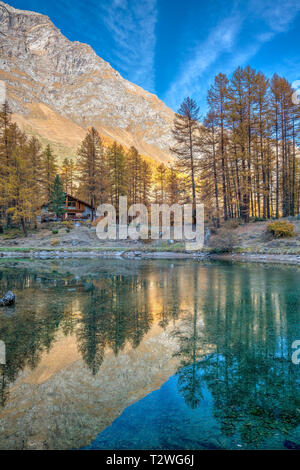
(239, 239)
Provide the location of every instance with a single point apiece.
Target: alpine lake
(141, 354)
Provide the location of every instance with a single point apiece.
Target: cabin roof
(73, 197)
(78, 200)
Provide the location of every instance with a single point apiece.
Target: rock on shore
(8, 299)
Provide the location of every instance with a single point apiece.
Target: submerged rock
(8, 299)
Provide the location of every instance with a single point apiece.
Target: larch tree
(160, 180)
(250, 145)
(210, 166)
(19, 189)
(68, 175)
(187, 147)
(173, 185)
(118, 181)
(49, 171)
(217, 102)
(146, 182)
(34, 150)
(5, 125)
(134, 164)
(238, 112)
(92, 168)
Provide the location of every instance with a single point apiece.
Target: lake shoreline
(136, 254)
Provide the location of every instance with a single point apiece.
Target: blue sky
(174, 48)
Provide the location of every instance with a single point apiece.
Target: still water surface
(132, 354)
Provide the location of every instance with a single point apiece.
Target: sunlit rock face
(41, 66)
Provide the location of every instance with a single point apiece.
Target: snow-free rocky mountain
(58, 88)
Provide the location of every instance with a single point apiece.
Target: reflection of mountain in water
(104, 311)
(232, 331)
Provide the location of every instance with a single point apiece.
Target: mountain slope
(58, 88)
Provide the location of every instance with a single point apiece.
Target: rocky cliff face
(50, 78)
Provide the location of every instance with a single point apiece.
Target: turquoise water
(172, 355)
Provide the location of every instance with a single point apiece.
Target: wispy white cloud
(277, 14)
(131, 24)
(224, 38)
(278, 18)
(220, 40)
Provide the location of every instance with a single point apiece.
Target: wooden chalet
(77, 209)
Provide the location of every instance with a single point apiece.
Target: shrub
(281, 229)
(67, 230)
(55, 231)
(223, 242)
(68, 223)
(54, 242)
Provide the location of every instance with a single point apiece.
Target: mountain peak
(11, 9)
(41, 66)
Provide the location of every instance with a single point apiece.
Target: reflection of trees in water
(252, 396)
(111, 316)
(111, 311)
(235, 334)
(27, 335)
(255, 386)
(190, 351)
(168, 286)
(92, 329)
(116, 312)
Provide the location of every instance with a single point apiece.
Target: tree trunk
(24, 226)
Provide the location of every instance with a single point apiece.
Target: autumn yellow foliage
(281, 229)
